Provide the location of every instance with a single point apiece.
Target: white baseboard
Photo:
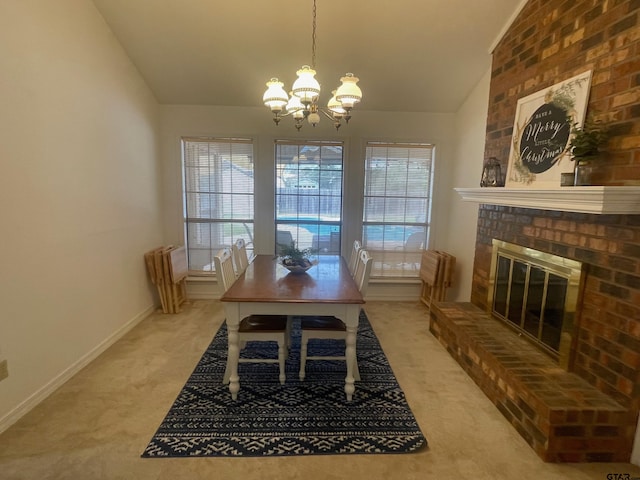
(27, 405)
(202, 296)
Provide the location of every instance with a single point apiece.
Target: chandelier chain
(313, 38)
(303, 103)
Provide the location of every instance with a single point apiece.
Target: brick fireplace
(588, 410)
(593, 416)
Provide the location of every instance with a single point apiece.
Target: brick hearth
(562, 417)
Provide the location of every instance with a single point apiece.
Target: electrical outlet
(4, 370)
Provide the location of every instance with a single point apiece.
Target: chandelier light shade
(335, 107)
(275, 97)
(295, 107)
(306, 87)
(302, 102)
(349, 93)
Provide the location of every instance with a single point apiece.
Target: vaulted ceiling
(410, 55)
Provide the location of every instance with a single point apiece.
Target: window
(309, 195)
(218, 197)
(397, 204)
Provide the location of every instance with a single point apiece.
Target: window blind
(397, 205)
(218, 197)
(309, 195)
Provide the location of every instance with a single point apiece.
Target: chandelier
(303, 99)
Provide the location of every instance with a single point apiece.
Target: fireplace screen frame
(551, 265)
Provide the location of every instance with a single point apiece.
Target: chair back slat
(240, 256)
(363, 270)
(353, 259)
(225, 273)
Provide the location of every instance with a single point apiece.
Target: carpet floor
(311, 417)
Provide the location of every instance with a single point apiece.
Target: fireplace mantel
(591, 199)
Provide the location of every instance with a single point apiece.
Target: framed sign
(541, 130)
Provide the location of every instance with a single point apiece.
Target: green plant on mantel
(588, 141)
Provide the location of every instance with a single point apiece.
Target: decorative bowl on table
(298, 267)
(294, 259)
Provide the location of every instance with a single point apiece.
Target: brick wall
(552, 40)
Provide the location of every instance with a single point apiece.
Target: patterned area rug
(299, 418)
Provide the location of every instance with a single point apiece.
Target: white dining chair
(259, 328)
(283, 237)
(353, 259)
(412, 249)
(240, 257)
(328, 327)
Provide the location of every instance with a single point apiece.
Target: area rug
(310, 417)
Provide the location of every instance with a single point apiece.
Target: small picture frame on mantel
(541, 131)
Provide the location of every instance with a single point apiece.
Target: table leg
(352, 315)
(350, 354)
(233, 351)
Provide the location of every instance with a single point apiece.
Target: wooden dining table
(268, 288)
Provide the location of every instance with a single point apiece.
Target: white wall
(79, 194)
(470, 133)
(183, 120)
